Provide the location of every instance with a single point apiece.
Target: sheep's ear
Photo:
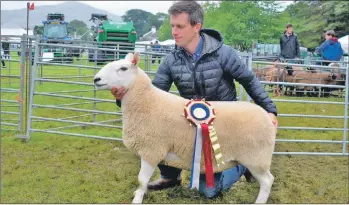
(136, 58)
(129, 57)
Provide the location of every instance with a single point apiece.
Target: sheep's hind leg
(143, 177)
(265, 180)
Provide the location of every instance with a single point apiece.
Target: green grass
(64, 169)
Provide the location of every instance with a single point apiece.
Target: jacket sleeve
(322, 48)
(298, 53)
(163, 79)
(233, 65)
(281, 44)
(340, 52)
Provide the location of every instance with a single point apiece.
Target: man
(289, 45)
(201, 66)
(330, 49)
(156, 48)
(6, 48)
(2, 56)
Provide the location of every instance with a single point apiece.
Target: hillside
(72, 10)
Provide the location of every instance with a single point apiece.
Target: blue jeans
(223, 180)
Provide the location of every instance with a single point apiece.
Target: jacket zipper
(202, 87)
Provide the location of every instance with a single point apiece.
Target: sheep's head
(118, 73)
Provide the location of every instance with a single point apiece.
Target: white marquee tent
(15, 31)
(140, 44)
(345, 43)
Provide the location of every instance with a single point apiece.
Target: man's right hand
(118, 93)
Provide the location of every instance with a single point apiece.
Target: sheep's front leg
(143, 177)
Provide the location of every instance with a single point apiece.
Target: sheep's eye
(123, 68)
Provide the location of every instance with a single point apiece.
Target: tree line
(242, 23)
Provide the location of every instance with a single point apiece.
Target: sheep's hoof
(138, 197)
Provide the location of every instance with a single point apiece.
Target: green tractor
(107, 31)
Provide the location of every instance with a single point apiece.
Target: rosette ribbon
(202, 114)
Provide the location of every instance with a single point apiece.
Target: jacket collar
(212, 41)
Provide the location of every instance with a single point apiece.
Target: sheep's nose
(96, 80)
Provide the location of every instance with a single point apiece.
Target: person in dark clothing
(330, 49)
(3, 63)
(289, 45)
(6, 49)
(156, 48)
(2, 56)
(202, 66)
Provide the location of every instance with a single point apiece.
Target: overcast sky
(115, 7)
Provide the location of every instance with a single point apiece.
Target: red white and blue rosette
(202, 114)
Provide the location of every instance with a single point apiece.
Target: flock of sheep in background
(278, 73)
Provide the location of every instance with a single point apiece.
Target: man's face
(327, 36)
(182, 31)
(289, 30)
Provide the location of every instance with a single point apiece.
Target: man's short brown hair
(330, 33)
(288, 25)
(192, 8)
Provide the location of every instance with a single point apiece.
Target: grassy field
(54, 168)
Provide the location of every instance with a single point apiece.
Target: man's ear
(135, 59)
(129, 57)
(198, 27)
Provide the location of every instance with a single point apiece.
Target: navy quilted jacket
(212, 76)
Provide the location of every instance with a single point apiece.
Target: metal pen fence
(12, 110)
(341, 103)
(62, 98)
(76, 105)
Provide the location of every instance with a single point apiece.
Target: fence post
(21, 126)
(41, 73)
(146, 58)
(94, 96)
(96, 53)
(9, 66)
(118, 55)
(30, 53)
(32, 87)
(346, 100)
(94, 73)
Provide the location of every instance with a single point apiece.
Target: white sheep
(155, 129)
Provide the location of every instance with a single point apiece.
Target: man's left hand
(273, 119)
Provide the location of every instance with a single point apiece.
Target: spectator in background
(289, 45)
(156, 49)
(6, 48)
(2, 56)
(330, 49)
